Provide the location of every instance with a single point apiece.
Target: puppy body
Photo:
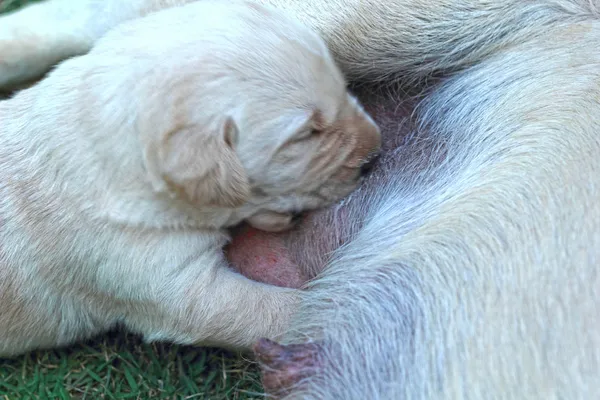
(120, 168)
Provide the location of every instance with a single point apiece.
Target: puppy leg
(35, 38)
(217, 308)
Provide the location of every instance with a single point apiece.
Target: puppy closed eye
(312, 125)
(308, 134)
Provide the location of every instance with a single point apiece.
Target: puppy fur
(473, 272)
(121, 167)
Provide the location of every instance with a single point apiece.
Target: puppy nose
(296, 217)
(368, 165)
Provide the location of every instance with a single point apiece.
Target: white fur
(476, 276)
(107, 162)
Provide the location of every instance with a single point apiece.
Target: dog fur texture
(120, 169)
(468, 264)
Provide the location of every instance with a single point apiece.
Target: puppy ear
(200, 166)
(302, 121)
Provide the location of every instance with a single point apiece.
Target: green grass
(120, 366)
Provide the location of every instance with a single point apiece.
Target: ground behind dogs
(120, 366)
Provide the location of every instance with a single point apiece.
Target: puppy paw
(17, 45)
(29, 48)
(269, 221)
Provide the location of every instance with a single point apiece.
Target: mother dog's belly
(263, 257)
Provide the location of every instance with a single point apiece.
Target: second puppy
(120, 169)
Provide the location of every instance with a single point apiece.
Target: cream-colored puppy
(120, 168)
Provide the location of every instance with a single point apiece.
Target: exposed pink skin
(291, 258)
(284, 366)
(263, 257)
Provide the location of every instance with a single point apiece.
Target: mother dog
(466, 267)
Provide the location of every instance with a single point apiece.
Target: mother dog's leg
(371, 39)
(474, 276)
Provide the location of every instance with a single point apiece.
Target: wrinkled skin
(283, 366)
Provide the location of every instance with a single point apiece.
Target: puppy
(122, 167)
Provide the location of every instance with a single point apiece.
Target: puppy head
(307, 158)
(253, 115)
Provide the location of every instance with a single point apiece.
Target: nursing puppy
(466, 265)
(120, 169)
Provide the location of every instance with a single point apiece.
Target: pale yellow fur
(120, 169)
(482, 282)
